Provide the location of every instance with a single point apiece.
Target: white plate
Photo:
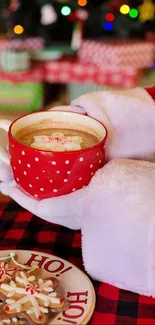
(74, 285)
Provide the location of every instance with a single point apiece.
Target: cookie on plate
(33, 298)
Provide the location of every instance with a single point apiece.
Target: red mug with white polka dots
(44, 174)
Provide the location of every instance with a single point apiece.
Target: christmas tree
(52, 19)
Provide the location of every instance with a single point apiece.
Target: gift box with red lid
(73, 71)
(15, 54)
(138, 54)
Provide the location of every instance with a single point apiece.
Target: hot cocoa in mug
(54, 153)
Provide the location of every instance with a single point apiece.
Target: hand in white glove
(66, 210)
(130, 119)
(129, 116)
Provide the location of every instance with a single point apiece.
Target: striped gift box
(15, 60)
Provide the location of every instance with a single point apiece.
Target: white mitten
(64, 210)
(119, 226)
(129, 116)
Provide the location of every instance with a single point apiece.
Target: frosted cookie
(12, 321)
(31, 298)
(8, 265)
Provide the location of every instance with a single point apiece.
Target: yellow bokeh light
(82, 3)
(18, 29)
(124, 9)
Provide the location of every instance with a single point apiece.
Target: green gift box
(24, 97)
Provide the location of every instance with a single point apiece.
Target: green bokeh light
(66, 11)
(133, 13)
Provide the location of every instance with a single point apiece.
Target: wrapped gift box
(76, 90)
(15, 60)
(137, 54)
(29, 44)
(15, 54)
(21, 91)
(73, 71)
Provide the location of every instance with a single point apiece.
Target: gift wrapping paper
(11, 60)
(67, 72)
(29, 44)
(35, 74)
(140, 54)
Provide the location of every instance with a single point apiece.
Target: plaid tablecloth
(19, 229)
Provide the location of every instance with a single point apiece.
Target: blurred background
(52, 51)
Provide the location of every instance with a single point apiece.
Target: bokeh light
(65, 11)
(110, 17)
(18, 29)
(108, 26)
(133, 13)
(82, 3)
(124, 9)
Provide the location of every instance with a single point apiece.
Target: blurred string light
(133, 13)
(124, 9)
(146, 10)
(14, 5)
(110, 17)
(82, 3)
(48, 15)
(108, 26)
(18, 29)
(66, 11)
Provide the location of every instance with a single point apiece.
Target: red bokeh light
(110, 17)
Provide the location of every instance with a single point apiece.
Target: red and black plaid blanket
(19, 229)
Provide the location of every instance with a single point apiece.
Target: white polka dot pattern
(43, 178)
